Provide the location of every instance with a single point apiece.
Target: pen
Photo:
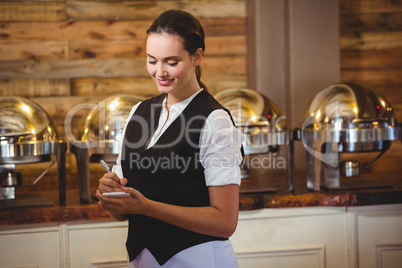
(104, 165)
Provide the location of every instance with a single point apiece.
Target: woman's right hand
(110, 182)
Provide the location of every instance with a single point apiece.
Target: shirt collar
(180, 105)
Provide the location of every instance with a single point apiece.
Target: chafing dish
(27, 135)
(99, 135)
(341, 120)
(262, 124)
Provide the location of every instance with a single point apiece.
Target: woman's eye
(172, 63)
(151, 62)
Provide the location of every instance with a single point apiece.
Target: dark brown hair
(185, 25)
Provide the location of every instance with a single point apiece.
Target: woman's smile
(165, 82)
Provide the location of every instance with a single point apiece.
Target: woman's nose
(161, 71)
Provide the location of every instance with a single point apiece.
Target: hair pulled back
(185, 25)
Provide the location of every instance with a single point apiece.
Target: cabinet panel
(97, 244)
(26, 246)
(287, 257)
(376, 236)
(312, 237)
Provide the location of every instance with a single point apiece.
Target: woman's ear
(197, 57)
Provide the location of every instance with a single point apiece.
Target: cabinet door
(292, 237)
(376, 236)
(34, 245)
(97, 244)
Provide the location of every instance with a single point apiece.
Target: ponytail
(198, 75)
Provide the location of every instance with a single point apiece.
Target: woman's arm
(218, 219)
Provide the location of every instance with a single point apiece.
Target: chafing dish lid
(22, 120)
(349, 106)
(105, 122)
(250, 108)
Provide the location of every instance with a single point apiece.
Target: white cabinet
(292, 237)
(29, 246)
(309, 237)
(97, 244)
(376, 236)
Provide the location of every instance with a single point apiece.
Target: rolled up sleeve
(220, 150)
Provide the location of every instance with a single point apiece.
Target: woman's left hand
(135, 204)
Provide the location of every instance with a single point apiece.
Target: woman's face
(170, 65)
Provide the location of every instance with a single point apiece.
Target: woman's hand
(110, 182)
(135, 204)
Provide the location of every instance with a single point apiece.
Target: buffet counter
(254, 195)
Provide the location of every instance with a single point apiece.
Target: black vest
(168, 172)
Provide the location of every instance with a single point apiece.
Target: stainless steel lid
(252, 109)
(257, 117)
(105, 122)
(356, 118)
(22, 121)
(349, 106)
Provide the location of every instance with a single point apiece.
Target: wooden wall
(64, 53)
(371, 54)
(371, 46)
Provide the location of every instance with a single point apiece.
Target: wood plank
(373, 77)
(106, 30)
(60, 106)
(110, 86)
(149, 10)
(106, 49)
(369, 6)
(225, 46)
(392, 93)
(224, 26)
(369, 59)
(28, 11)
(54, 69)
(34, 87)
(370, 22)
(80, 30)
(224, 65)
(146, 86)
(371, 40)
(33, 50)
(133, 67)
(217, 82)
(215, 46)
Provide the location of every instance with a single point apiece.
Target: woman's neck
(173, 98)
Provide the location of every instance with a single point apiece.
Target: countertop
(254, 195)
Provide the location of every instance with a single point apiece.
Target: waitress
(179, 160)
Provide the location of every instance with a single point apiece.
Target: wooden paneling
(79, 30)
(371, 40)
(142, 10)
(34, 87)
(371, 59)
(33, 50)
(369, 6)
(129, 85)
(84, 49)
(63, 53)
(112, 67)
(371, 46)
(371, 22)
(32, 11)
(107, 30)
